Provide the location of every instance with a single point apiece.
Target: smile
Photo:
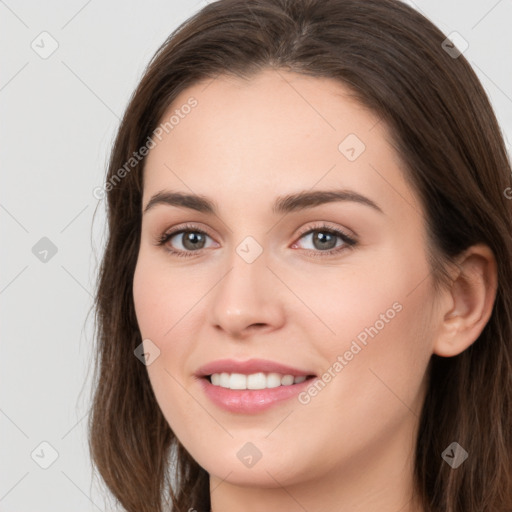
(258, 380)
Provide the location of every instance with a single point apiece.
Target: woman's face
(265, 276)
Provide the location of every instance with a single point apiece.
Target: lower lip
(251, 400)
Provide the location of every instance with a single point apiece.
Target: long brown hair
(444, 129)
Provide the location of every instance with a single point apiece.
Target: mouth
(251, 386)
(255, 381)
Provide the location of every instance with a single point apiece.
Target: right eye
(190, 238)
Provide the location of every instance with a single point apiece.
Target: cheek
(162, 296)
(162, 299)
(375, 297)
(386, 350)
(379, 340)
(168, 304)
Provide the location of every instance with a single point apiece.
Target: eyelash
(324, 228)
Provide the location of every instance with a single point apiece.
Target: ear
(468, 301)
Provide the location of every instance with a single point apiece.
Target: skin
(246, 143)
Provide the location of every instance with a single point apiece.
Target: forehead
(274, 133)
(273, 103)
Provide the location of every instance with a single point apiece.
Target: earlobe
(471, 300)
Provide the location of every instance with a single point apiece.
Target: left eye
(326, 239)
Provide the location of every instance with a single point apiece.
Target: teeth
(287, 380)
(254, 380)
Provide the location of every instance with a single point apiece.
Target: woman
(305, 298)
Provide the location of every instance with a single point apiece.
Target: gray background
(58, 119)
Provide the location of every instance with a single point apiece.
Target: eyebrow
(283, 204)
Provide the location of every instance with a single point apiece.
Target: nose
(248, 299)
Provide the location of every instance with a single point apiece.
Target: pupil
(325, 240)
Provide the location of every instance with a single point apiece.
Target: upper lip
(249, 366)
